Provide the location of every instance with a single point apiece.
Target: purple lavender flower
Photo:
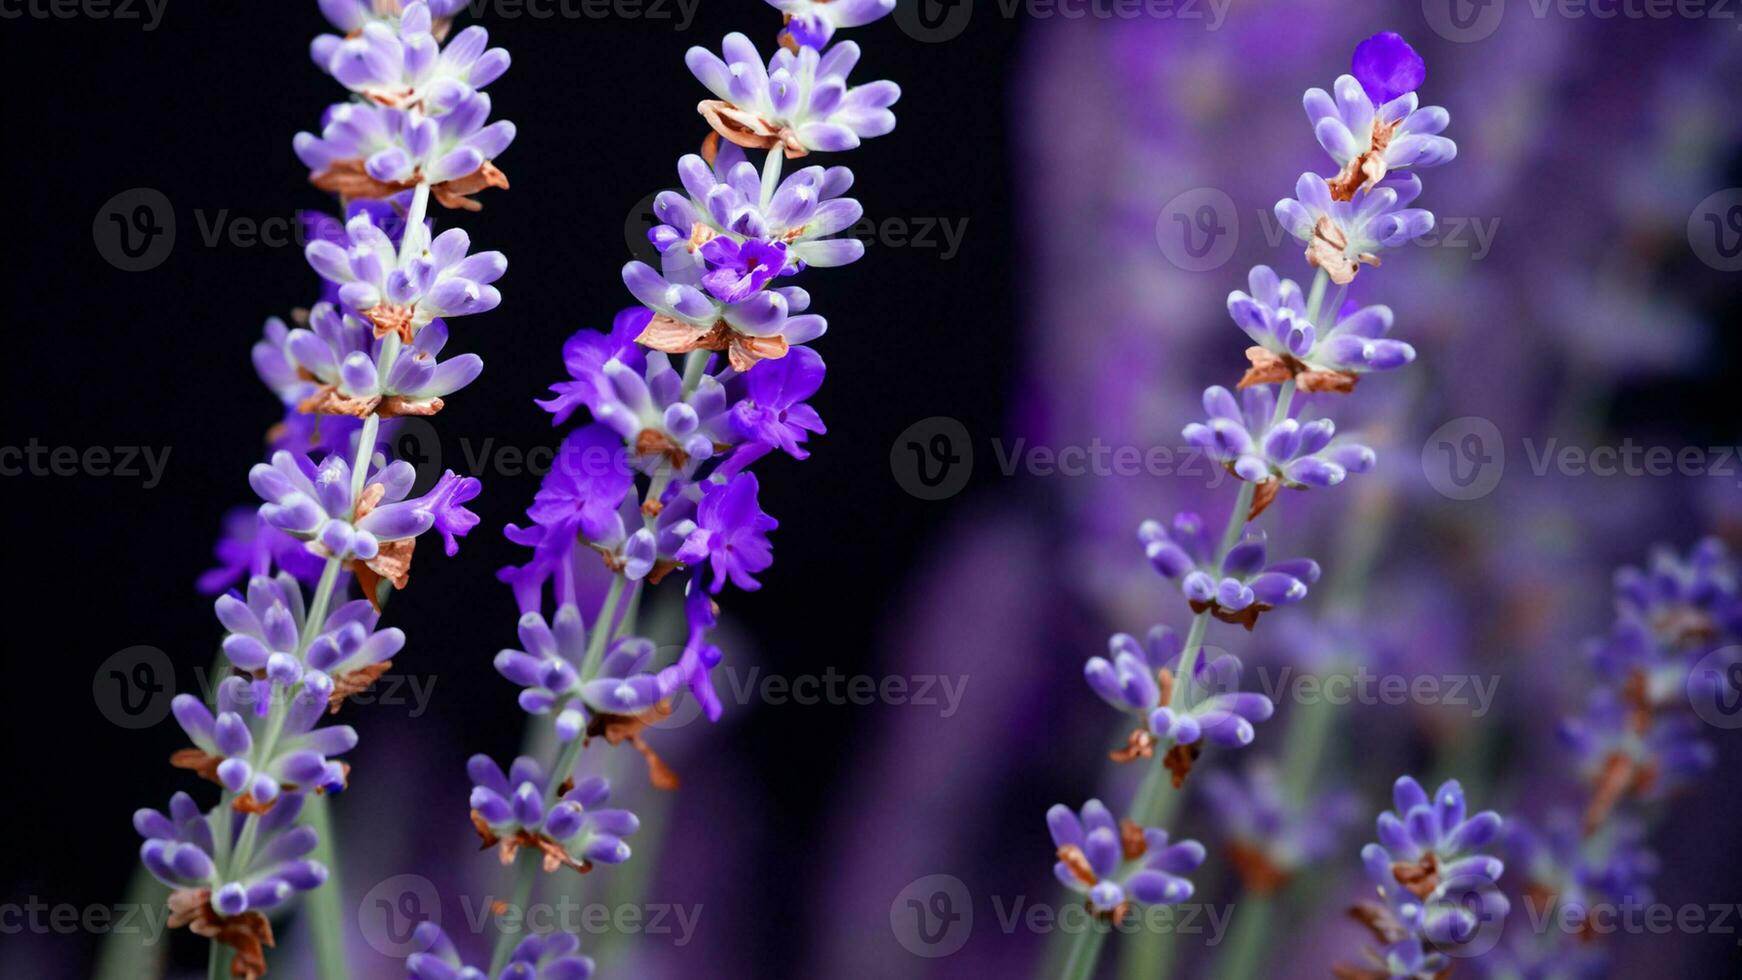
(1387, 67)
(179, 846)
(1128, 677)
(730, 532)
(738, 269)
(1239, 587)
(585, 355)
(810, 23)
(727, 199)
(1116, 863)
(550, 957)
(1270, 837)
(402, 65)
(1576, 871)
(438, 280)
(314, 503)
(1274, 315)
(686, 318)
(1246, 437)
(1210, 706)
(249, 546)
(239, 749)
(343, 353)
(1374, 125)
(773, 413)
(551, 665)
(371, 151)
(662, 423)
(510, 811)
(1436, 888)
(1341, 236)
(798, 102)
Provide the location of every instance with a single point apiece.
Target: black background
(203, 110)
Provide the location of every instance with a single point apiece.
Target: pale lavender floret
(276, 366)
(314, 503)
(728, 199)
(398, 146)
(437, 279)
(179, 845)
(1210, 706)
(1612, 865)
(803, 97)
(678, 292)
(341, 350)
(811, 23)
(265, 630)
(1126, 677)
(251, 763)
(515, 801)
(1156, 876)
(1354, 231)
(1274, 315)
(1241, 585)
(401, 64)
(548, 668)
(555, 956)
(1241, 436)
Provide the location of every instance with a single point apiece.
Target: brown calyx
(1131, 843)
(1140, 744)
(555, 855)
(1619, 775)
(390, 318)
(1419, 877)
(617, 729)
(392, 563)
(1247, 617)
(664, 333)
(1269, 368)
(651, 442)
(1077, 863)
(354, 682)
(1366, 170)
(748, 129)
(1258, 873)
(1326, 251)
(349, 180)
(1179, 760)
(198, 761)
(249, 934)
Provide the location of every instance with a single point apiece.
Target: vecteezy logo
(134, 686)
(932, 458)
(933, 21)
(1715, 230)
(932, 916)
(641, 220)
(1463, 21)
(415, 441)
(391, 912)
(1466, 916)
(1464, 458)
(1198, 229)
(1715, 688)
(134, 230)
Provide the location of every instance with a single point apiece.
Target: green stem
(328, 920)
(218, 962)
(1085, 951)
(1247, 938)
(525, 876)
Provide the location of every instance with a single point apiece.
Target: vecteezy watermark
(135, 230)
(932, 458)
(34, 916)
(934, 21)
(1465, 458)
(1473, 20)
(147, 13)
(390, 690)
(143, 463)
(1715, 687)
(1364, 686)
(391, 911)
(944, 235)
(934, 916)
(133, 687)
(1631, 916)
(681, 13)
(930, 692)
(1198, 229)
(1715, 230)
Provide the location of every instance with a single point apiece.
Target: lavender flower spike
(1116, 864)
(510, 811)
(550, 957)
(728, 199)
(1237, 589)
(178, 851)
(1342, 236)
(343, 353)
(1375, 125)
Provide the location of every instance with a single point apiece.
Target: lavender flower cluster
(658, 485)
(1304, 343)
(334, 510)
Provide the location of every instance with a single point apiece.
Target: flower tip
(1387, 67)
